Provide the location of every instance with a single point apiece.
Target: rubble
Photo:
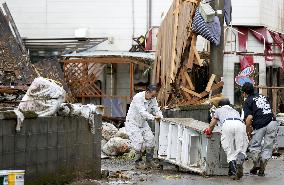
(108, 131)
(86, 111)
(179, 68)
(116, 146)
(15, 66)
(122, 133)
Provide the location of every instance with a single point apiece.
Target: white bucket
(16, 177)
(3, 177)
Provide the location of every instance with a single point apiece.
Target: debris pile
(15, 67)
(177, 60)
(116, 146)
(86, 111)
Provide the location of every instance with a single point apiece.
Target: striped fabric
(200, 27)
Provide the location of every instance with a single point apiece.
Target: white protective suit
(136, 125)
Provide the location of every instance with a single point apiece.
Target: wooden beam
(191, 92)
(187, 95)
(188, 79)
(131, 83)
(191, 52)
(198, 60)
(172, 63)
(274, 100)
(210, 83)
(105, 61)
(214, 87)
(265, 87)
(193, 1)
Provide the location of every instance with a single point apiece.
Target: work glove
(207, 132)
(158, 118)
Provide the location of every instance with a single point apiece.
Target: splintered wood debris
(15, 67)
(177, 59)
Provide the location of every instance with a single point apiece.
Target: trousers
(261, 144)
(140, 136)
(234, 139)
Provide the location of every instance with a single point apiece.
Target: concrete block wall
(51, 149)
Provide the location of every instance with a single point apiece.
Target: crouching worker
(233, 139)
(144, 107)
(261, 128)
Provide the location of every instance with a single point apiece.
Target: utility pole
(216, 52)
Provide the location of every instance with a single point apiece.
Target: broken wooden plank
(188, 79)
(214, 87)
(191, 52)
(187, 95)
(198, 60)
(191, 92)
(210, 83)
(173, 65)
(193, 1)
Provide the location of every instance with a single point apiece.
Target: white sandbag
(43, 97)
(116, 146)
(108, 130)
(122, 133)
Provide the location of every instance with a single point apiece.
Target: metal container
(180, 141)
(280, 132)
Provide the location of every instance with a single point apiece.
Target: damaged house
(104, 53)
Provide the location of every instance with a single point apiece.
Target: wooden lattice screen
(81, 78)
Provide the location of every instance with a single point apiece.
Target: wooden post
(274, 91)
(131, 71)
(157, 133)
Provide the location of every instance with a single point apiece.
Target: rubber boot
(255, 168)
(138, 161)
(262, 166)
(150, 163)
(233, 169)
(240, 161)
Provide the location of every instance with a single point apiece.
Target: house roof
(146, 56)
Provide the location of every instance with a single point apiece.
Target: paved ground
(122, 172)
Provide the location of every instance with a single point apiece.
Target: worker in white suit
(143, 108)
(234, 138)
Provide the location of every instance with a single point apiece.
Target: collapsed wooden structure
(15, 67)
(177, 58)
